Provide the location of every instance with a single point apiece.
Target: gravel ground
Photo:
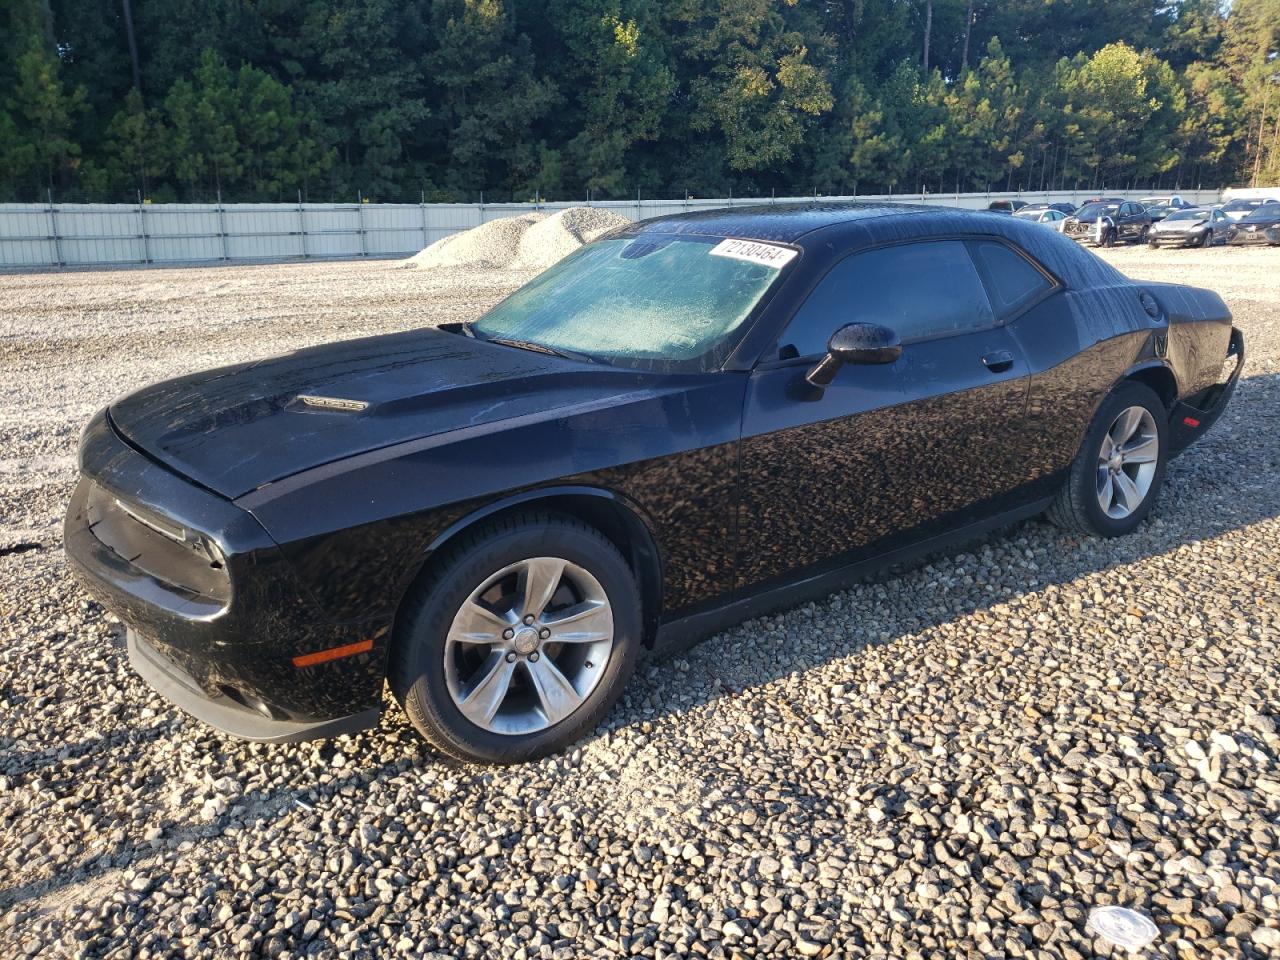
(960, 760)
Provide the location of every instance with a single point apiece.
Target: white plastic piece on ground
(1123, 927)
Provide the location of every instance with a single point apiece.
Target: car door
(1218, 224)
(1126, 220)
(890, 453)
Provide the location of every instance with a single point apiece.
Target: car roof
(782, 222)
(829, 231)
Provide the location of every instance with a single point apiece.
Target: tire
(436, 661)
(1142, 237)
(1152, 245)
(1202, 242)
(1109, 238)
(1078, 507)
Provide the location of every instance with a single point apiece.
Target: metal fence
(59, 235)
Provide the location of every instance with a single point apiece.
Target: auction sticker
(753, 251)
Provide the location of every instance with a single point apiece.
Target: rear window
(1012, 280)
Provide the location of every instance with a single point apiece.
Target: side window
(1127, 210)
(918, 290)
(1011, 278)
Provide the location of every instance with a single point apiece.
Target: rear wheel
(520, 641)
(1116, 477)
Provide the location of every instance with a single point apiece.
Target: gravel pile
(562, 233)
(531, 241)
(959, 760)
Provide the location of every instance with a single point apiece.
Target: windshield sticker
(754, 252)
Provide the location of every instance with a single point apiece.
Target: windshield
(1030, 214)
(1266, 211)
(1236, 206)
(1090, 210)
(1188, 215)
(657, 300)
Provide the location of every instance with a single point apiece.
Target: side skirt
(681, 634)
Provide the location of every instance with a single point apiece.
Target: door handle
(999, 361)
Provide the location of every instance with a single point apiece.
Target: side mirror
(855, 343)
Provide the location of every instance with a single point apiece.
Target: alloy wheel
(528, 646)
(1127, 462)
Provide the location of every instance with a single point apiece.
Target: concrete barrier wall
(57, 235)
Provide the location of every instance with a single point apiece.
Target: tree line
(270, 100)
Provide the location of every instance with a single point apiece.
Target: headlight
(1197, 228)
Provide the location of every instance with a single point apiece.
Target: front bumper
(1191, 418)
(1174, 239)
(225, 714)
(220, 647)
(1248, 238)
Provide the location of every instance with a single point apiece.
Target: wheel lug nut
(528, 619)
(533, 657)
(508, 633)
(511, 658)
(544, 633)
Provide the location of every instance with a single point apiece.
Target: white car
(1052, 218)
(1240, 208)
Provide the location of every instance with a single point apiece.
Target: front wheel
(1142, 237)
(1109, 238)
(519, 641)
(1117, 475)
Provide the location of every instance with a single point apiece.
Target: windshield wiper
(542, 348)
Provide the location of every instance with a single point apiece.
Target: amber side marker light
(333, 653)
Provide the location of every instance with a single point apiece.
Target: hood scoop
(333, 404)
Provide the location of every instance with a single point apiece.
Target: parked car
(1241, 208)
(1161, 207)
(1262, 225)
(1196, 227)
(690, 421)
(1006, 206)
(1067, 208)
(1105, 223)
(1048, 216)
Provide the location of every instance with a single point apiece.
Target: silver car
(1195, 227)
(1052, 218)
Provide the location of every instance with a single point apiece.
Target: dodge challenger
(685, 423)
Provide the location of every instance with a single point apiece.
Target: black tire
(1109, 238)
(1202, 242)
(1077, 509)
(1151, 244)
(1142, 237)
(416, 669)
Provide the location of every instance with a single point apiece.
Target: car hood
(237, 428)
(1178, 226)
(1092, 218)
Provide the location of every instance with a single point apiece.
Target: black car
(1196, 227)
(1260, 226)
(690, 421)
(1105, 223)
(1006, 206)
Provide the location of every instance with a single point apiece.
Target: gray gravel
(960, 760)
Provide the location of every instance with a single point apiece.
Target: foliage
(449, 99)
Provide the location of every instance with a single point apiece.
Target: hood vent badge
(333, 403)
